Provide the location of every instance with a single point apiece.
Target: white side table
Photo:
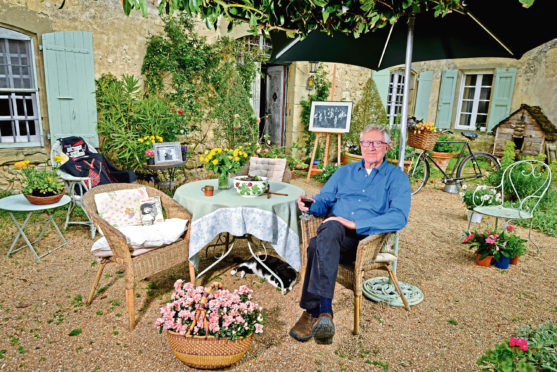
(18, 203)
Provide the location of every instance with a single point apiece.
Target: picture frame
(167, 152)
(330, 116)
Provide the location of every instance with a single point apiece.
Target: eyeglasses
(372, 144)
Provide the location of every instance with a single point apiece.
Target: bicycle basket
(423, 140)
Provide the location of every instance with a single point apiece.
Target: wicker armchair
(368, 257)
(144, 265)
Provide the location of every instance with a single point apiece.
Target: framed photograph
(331, 117)
(167, 152)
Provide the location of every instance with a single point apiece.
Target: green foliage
(446, 147)
(481, 196)
(394, 149)
(326, 173)
(368, 110)
(351, 18)
(125, 116)
(543, 343)
(75, 332)
(38, 180)
(322, 86)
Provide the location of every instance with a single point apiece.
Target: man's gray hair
(378, 128)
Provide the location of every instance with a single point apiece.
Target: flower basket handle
(201, 311)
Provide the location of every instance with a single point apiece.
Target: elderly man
(360, 199)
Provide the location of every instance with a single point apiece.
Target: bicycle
(475, 165)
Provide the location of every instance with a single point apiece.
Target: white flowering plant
(483, 195)
(223, 314)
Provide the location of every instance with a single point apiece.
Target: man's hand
(346, 223)
(301, 204)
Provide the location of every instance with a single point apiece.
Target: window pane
(467, 106)
(29, 106)
(22, 128)
(470, 80)
(6, 128)
(487, 80)
(481, 120)
(485, 93)
(4, 106)
(468, 93)
(465, 119)
(483, 106)
(32, 127)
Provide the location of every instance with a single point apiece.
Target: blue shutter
(70, 85)
(502, 96)
(446, 99)
(381, 79)
(422, 96)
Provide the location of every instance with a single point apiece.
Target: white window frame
(15, 94)
(476, 100)
(396, 80)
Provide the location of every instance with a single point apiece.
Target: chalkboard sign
(333, 117)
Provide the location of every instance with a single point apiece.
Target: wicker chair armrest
(369, 248)
(116, 240)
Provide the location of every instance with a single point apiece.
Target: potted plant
(223, 162)
(145, 146)
(500, 244)
(40, 184)
(482, 195)
(516, 246)
(353, 154)
(443, 151)
(209, 329)
(149, 155)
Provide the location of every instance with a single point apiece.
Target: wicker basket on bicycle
(424, 140)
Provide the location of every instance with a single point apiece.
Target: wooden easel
(325, 156)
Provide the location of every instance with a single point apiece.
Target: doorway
(274, 102)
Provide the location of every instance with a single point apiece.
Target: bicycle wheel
(473, 169)
(418, 171)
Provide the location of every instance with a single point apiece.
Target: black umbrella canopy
(457, 35)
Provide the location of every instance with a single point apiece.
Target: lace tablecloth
(274, 220)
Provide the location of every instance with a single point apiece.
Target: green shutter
(446, 99)
(422, 97)
(381, 79)
(70, 85)
(502, 96)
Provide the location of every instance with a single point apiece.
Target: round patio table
(18, 203)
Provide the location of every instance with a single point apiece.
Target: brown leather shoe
(323, 329)
(302, 330)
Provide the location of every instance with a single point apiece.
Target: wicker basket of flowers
(422, 135)
(210, 330)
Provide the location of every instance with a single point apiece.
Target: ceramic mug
(208, 190)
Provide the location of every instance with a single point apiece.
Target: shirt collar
(381, 169)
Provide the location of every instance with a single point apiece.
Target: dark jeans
(333, 244)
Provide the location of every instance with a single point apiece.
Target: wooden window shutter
(422, 96)
(70, 85)
(446, 99)
(502, 96)
(381, 79)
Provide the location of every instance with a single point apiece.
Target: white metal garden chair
(74, 189)
(521, 201)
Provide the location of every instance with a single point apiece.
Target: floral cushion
(121, 207)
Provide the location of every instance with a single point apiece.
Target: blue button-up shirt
(377, 203)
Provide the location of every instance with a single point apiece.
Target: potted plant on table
(209, 329)
(443, 151)
(482, 195)
(40, 184)
(223, 162)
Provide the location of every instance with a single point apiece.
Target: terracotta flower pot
(514, 260)
(442, 158)
(485, 261)
(347, 158)
(44, 200)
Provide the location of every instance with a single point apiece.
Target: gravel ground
(467, 308)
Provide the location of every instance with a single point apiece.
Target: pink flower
(236, 116)
(258, 328)
(258, 120)
(236, 126)
(510, 227)
(149, 152)
(468, 237)
(489, 240)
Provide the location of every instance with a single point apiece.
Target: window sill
(19, 145)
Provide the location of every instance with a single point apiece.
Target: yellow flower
(140, 139)
(230, 157)
(146, 137)
(147, 143)
(152, 138)
(201, 158)
(215, 162)
(57, 159)
(209, 157)
(159, 138)
(50, 179)
(20, 164)
(245, 155)
(219, 150)
(241, 147)
(236, 158)
(27, 161)
(206, 152)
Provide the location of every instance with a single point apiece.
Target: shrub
(446, 147)
(327, 172)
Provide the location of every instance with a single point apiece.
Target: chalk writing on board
(330, 116)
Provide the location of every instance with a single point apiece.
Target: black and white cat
(284, 271)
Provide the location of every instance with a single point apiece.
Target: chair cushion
(145, 238)
(121, 207)
(385, 258)
(151, 211)
(503, 212)
(266, 167)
